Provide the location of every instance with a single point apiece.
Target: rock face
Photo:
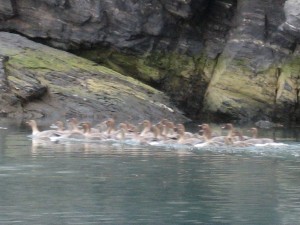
(38, 81)
(228, 59)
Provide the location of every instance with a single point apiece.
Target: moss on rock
(47, 80)
(179, 75)
(232, 85)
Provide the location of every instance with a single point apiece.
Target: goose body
(36, 133)
(256, 140)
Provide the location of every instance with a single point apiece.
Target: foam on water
(276, 148)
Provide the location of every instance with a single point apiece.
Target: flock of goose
(147, 133)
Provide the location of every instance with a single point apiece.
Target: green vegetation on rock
(45, 79)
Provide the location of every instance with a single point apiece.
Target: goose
(242, 142)
(170, 130)
(110, 123)
(36, 133)
(147, 129)
(135, 138)
(128, 130)
(92, 135)
(256, 140)
(72, 133)
(158, 132)
(73, 125)
(187, 140)
(58, 125)
(208, 134)
(121, 134)
(208, 139)
(182, 127)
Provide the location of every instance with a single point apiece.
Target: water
(88, 183)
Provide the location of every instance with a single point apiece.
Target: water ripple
(115, 183)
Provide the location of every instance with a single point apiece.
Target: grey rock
(292, 13)
(45, 82)
(265, 124)
(7, 9)
(3, 76)
(252, 44)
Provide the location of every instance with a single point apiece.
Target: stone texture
(227, 59)
(7, 9)
(38, 81)
(292, 13)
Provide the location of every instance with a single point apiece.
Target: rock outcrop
(38, 81)
(228, 59)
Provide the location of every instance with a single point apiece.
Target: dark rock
(3, 77)
(7, 9)
(234, 58)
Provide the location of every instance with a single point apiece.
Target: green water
(111, 183)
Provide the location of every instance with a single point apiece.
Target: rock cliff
(222, 59)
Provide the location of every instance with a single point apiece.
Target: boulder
(37, 81)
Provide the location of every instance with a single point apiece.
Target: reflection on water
(111, 183)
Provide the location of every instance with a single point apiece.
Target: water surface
(111, 183)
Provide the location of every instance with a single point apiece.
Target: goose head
(254, 132)
(60, 125)
(206, 130)
(33, 125)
